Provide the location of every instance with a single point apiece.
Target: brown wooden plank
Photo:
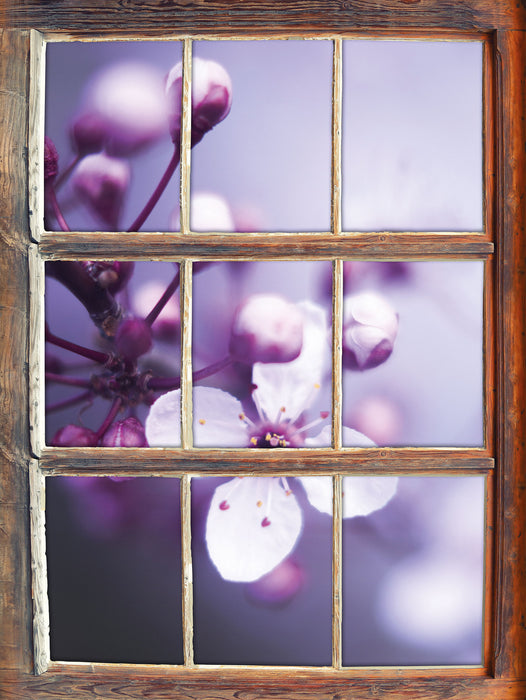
(175, 461)
(225, 684)
(153, 246)
(510, 651)
(15, 598)
(103, 17)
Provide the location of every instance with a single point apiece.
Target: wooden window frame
(24, 671)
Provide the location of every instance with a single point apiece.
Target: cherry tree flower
(254, 522)
(283, 393)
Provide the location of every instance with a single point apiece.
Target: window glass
(271, 157)
(114, 569)
(413, 576)
(412, 136)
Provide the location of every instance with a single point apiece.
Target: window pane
(412, 135)
(261, 355)
(113, 347)
(412, 353)
(114, 569)
(262, 571)
(270, 159)
(413, 576)
(107, 113)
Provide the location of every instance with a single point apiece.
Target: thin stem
(67, 171)
(115, 408)
(52, 197)
(168, 383)
(69, 381)
(94, 355)
(170, 289)
(145, 213)
(79, 398)
(212, 369)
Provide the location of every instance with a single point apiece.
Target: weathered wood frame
(502, 24)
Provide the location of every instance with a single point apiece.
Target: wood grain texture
(304, 461)
(336, 164)
(36, 352)
(224, 684)
(186, 138)
(337, 595)
(337, 345)
(37, 90)
(103, 17)
(186, 354)
(15, 596)
(511, 365)
(187, 571)
(37, 508)
(270, 246)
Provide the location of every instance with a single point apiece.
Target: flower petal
(163, 423)
(363, 495)
(351, 438)
(295, 384)
(216, 420)
(252, 525)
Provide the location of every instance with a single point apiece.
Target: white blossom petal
(295, 384)
(363, 495)
(163, 423)
(252, 525)
(216, 420)
(351, 438)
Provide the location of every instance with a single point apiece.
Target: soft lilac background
(412, 135)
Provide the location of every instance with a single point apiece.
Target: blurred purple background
(412, 582)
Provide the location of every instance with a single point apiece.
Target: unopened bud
(266, 328)
(168, 323)
(50, 159)
(133, 338)
(129, 103)
(369, 331)
(102, 182)
(125, 433)
(74, 436)
(88, 133)
(211, 97)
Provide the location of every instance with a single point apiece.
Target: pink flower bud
(102, 182)
(125, 433)
(74, 436)
(266, 328)
(50, 159)
(279, 586)
(88, 134)
(167, 324)
(369, 331)
(129, 102)
(134, 338)
(211, 97)
(112, 276)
